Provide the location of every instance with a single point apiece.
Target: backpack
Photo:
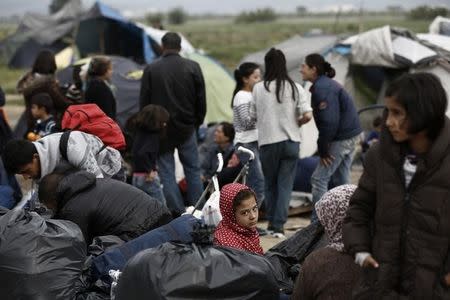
(91, 119)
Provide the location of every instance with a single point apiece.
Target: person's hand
(370, 262)
(151, 176)
(327, 161)
(447, 279)
(234, 161)
(305, 118)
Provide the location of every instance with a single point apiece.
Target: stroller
(210, 198)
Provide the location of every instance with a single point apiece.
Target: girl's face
(253, 79)
(308, 73)
(397, 120)
(246, 213)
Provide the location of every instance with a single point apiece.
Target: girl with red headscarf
(239, 210)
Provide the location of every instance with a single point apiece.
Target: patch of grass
(9, 78)
(229, 42)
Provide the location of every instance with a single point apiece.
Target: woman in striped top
(247, 75)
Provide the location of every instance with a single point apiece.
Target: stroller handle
(248, 151)
(220, 159)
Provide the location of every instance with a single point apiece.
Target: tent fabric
(411, 52)
(374, 47)
(219, 87)
(438, 40)
(126, 88)
(295, 49)
(104, 30)
(37, 32)
(157, 34)
(440, 25)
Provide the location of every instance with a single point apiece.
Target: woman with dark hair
(397, 226)
(44, 67)
(147, 127)
(338, 125)
(281, 108)
(99, 89)
(246, 76)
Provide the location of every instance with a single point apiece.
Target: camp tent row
(131, 45)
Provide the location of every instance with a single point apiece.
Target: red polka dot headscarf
(229, 233)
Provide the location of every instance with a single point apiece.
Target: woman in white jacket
(281, 107)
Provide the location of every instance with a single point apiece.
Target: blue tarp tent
(104, 30)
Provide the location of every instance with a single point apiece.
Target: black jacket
(407, 230)
(177, 84)
(145, 151)
(100, 93)
(108, 207)
(334, 113)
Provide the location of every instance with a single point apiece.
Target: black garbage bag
(96, 289)
(39, 258)
(190, 271)
(287, 256)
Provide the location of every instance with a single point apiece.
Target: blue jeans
(279, 161)
(338, 171)
(152, 188)
(189, 159)
(255, 174)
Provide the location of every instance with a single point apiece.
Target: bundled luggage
(190, 271)
(179, 230)
(287, 256)
(39, 258)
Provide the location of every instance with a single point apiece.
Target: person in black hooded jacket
(101, 206)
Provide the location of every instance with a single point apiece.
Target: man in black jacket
(101, 206)
(177, 84)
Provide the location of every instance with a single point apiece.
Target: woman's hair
(243, 71)
(322, 66)
(424, 100)
(98, 66)
(44, 63)
(241, 196)
(228, 130)
(152, 118)
(275, 64)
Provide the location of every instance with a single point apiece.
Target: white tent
(394, 51)
(440, 25)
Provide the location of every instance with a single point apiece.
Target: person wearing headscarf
(239, 210)
(330, 272)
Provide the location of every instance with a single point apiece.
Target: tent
(295, 49)
(103, 30)
(38, 32)
(126, 85)
(440, 25)
(378, 56)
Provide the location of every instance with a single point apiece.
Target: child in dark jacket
(42, 111)
(147, 127)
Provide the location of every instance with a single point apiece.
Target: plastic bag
(188, 271)
(39, 258)
(287, 255)
(211, 209)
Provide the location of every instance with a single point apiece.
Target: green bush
(428, 13)
(260, 15)
(177, 16)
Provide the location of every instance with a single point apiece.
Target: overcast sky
(10, 7)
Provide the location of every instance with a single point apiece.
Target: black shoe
(262, 231)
